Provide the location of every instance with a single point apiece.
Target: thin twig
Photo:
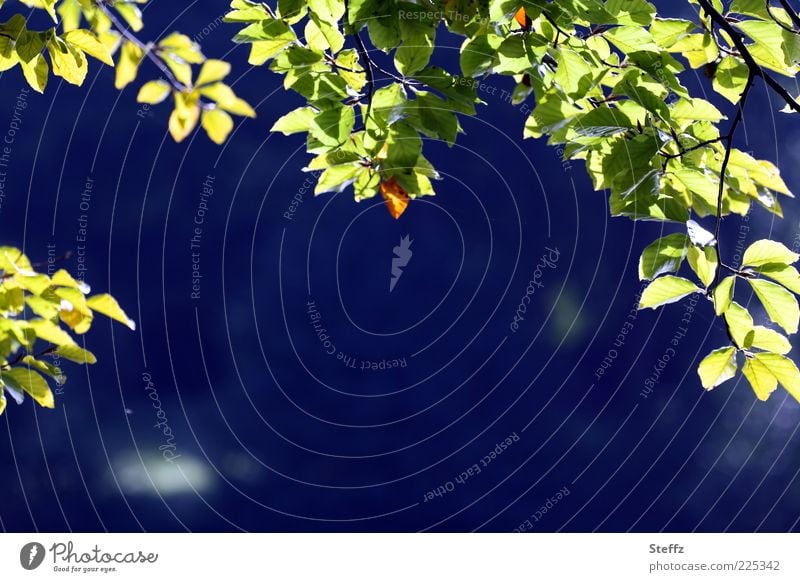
(147, 48)
(775, 20)
(752, 65)
(21, 356)
(728, 147)
(791, 12)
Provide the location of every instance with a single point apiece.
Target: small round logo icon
(31, 555)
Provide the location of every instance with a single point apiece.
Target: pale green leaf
(717, 367)
(666, 289)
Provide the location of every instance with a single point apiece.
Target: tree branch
(776, 21)
(752, 65)
(363, 56)
(147, 48)
(791, 12)
(728, 147)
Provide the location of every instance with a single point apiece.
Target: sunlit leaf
(717, 367)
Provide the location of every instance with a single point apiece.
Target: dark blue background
(274, 434)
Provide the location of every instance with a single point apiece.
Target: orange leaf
(522, 18)
(396, 198)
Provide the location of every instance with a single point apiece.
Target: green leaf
(88, 42)
(723, 295)
(703, 262)
(781, 306)
(478, 54)
(784, 369)
(666, 289)
(767, 49)
(770, 340)
(35, 72)
(332, 127)
(663, 256)
(717, 367)
(783, 274)
(50, 332)
(296, 121)
(31, 382)
(667, 31)
(767, 251)
(696, 109)
(337, 178)
(730, 79)
(109, 307)
(414, 54)
(740, 324)
(573, 73)
(630, 39)
(76, 354)
(45, 368)
(761, 379)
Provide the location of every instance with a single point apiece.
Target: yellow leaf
(90, 44)
(32, 383)
(717, 367)
(226, 99)
(68, 62)
(130, 57)
(784, 369)
(109, 307)
(78, 321)
(154, 92)
(35, 72)
(761, 379)
(184, 117)
(212, 71)
(217, 124)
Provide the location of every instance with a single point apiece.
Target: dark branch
(752, 65)
(728, 147)
(791, 12)
(776, 21)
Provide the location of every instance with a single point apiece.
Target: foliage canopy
(605, 81)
